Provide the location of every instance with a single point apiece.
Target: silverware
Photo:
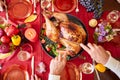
(34, 7)
(53, 6)
(80, 75)
(97, 74)
(116, 30)
(32, 66)
(77, 8)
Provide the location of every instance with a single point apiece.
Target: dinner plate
(64, 6)
(15, 72)
(48, 41)
(20, 9)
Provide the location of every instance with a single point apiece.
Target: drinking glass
(86, 68)
(23, 55)
(113, 16)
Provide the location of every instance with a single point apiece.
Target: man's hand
(57, 64)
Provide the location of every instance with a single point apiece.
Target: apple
(5, 39)
(11, 30)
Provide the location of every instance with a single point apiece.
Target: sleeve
(113, 65)
(54, 77)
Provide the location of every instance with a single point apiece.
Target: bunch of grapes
(95, 6)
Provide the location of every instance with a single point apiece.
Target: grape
(95, 6)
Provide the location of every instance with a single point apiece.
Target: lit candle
(31, 34)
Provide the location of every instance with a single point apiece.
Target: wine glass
(86, 68)
(23, 55)
(113, 16)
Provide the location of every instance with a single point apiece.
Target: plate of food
(16, 72)
(64, 6)
(20, 9)
(62, 33)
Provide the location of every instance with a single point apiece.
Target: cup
(86, 68)
(113, 16)
(23, 55)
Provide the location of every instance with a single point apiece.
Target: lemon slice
(5, 55)
(100, 67)
(31, 18)
(93, 23)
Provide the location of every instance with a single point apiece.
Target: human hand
(57, 64)
(35, 77)
(118, 1)
(98, 53)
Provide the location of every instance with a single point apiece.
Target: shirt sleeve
(113, 65)
(54, 77)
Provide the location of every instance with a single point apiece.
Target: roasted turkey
(60, 30)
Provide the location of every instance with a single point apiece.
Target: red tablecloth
(40, 54)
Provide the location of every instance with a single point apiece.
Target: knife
(32, 66)
(97, 74)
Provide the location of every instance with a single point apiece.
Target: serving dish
(53, 52)
(64, 6)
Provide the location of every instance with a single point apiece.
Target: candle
(31, 34)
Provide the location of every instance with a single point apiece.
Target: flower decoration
(104, 32)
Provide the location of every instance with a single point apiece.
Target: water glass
(86, 68)
(113, 16)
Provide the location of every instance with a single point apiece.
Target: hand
(98, 53)
(35, 77)
(57, 64)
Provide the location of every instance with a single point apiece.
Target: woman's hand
(98, 53)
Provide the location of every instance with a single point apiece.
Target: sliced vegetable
(59, 45)
(48, 48)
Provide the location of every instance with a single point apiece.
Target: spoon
(34, 6)
(53, 6)
(77, 8)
